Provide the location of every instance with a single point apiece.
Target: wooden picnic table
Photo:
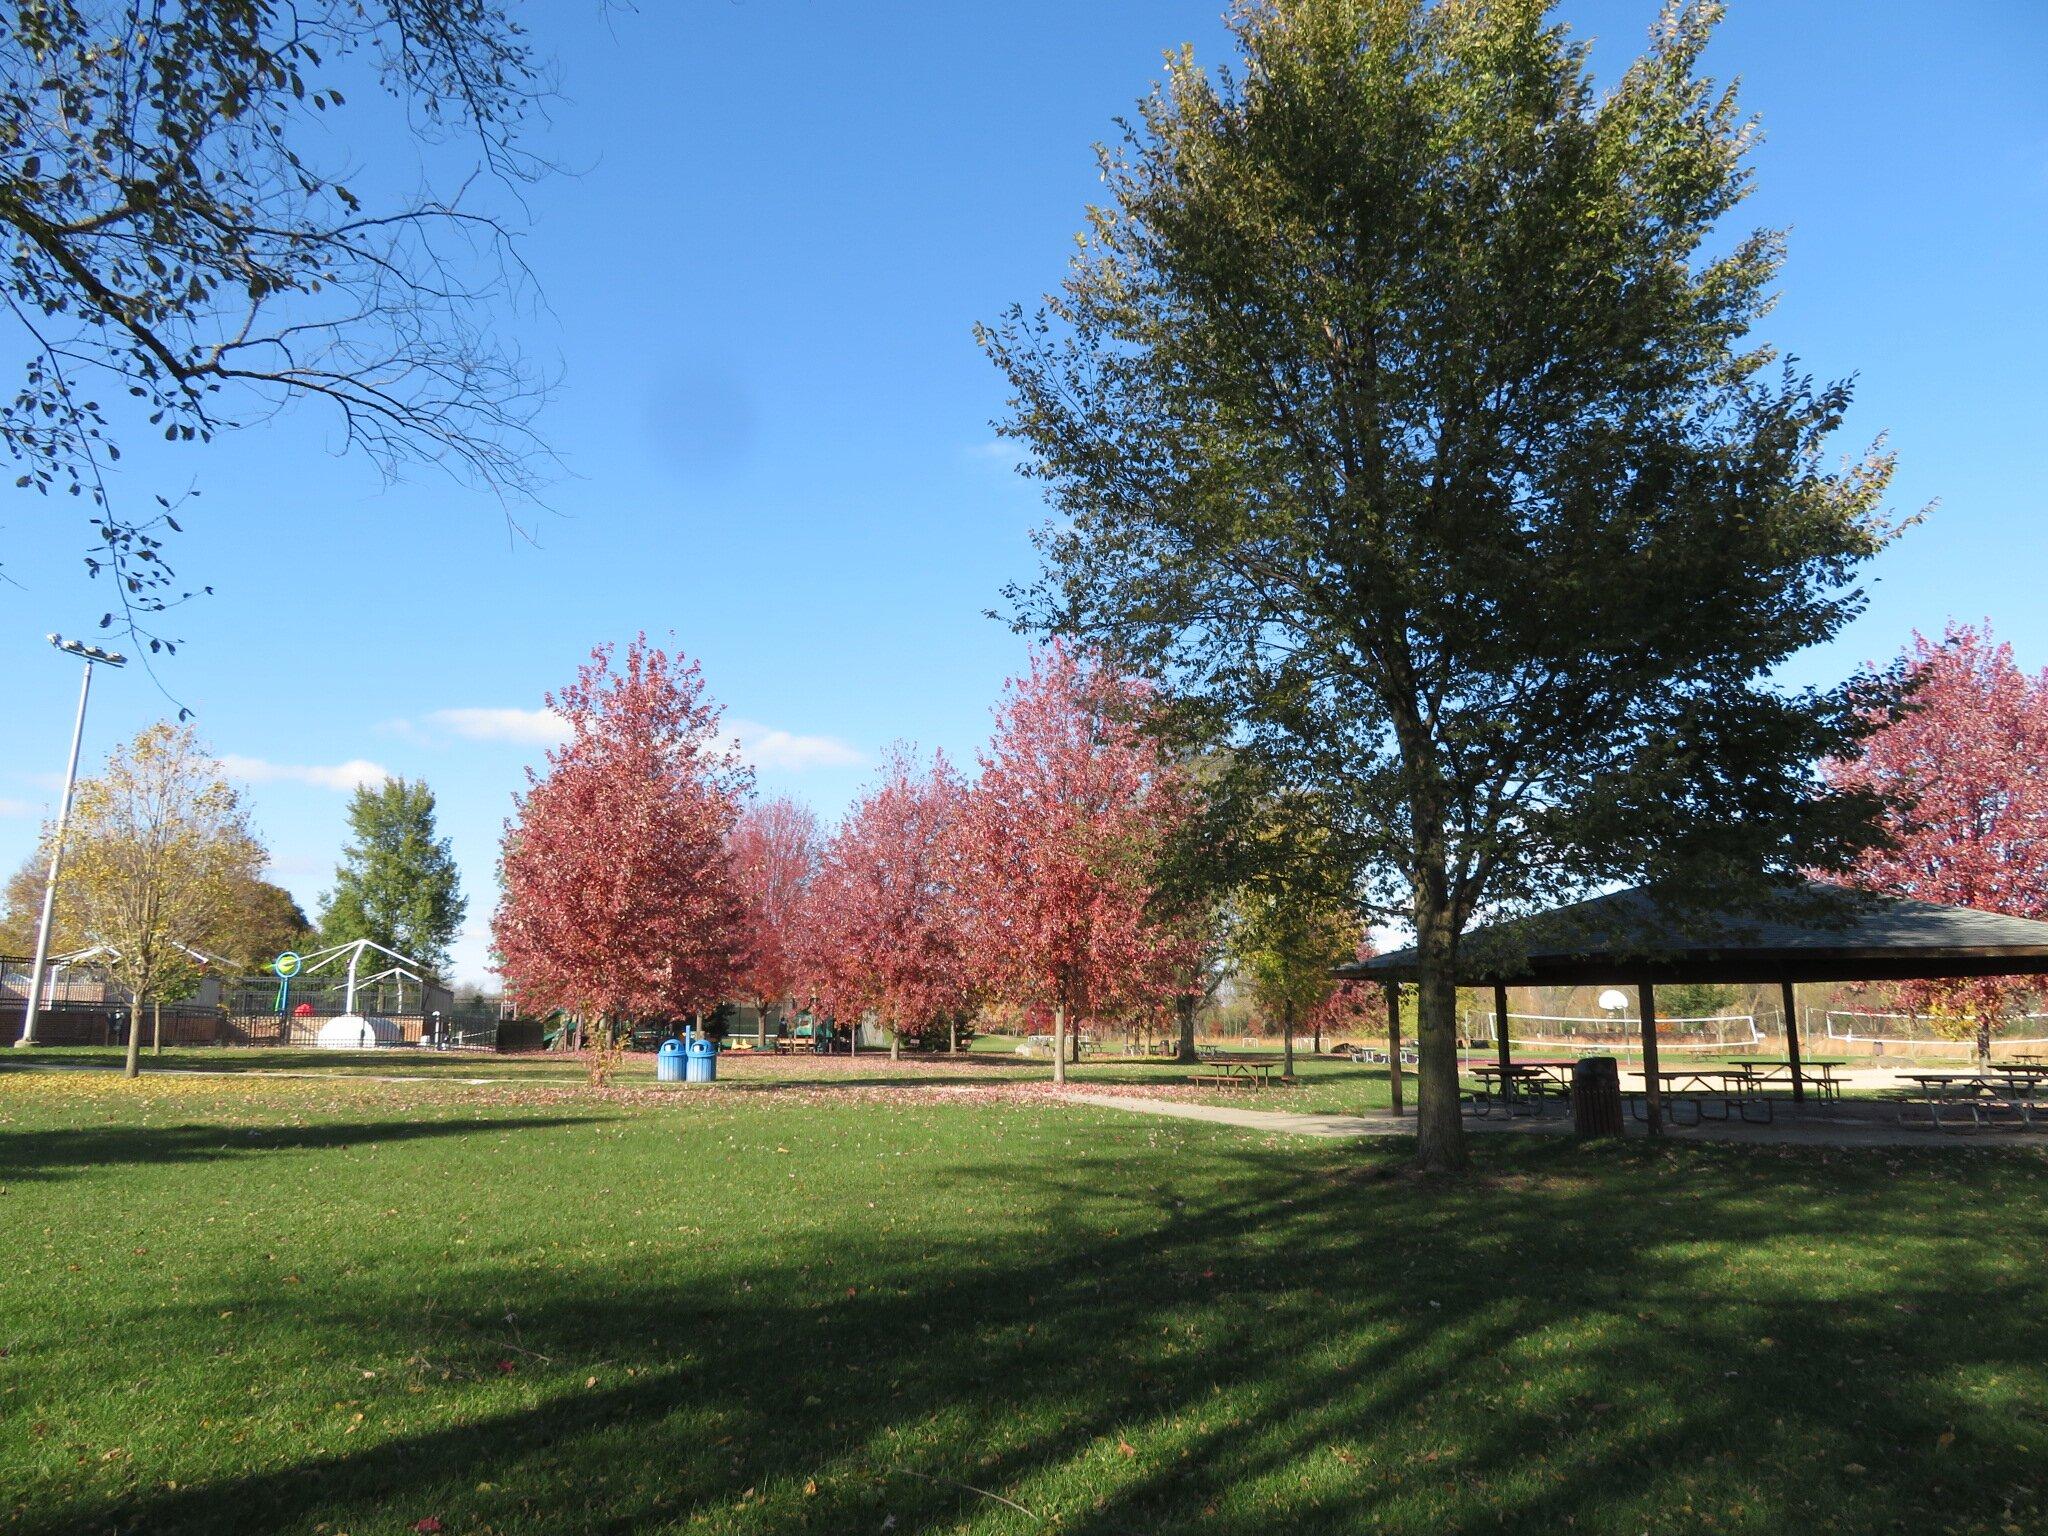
(1978, 1092)
(1529, 1083)
(1816, 1072)
(1252, 1072)
(1731, 1087)
(1556, 1069)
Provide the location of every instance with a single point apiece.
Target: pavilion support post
(1500, 1029)
(1394, 1042)
(1653, 1096)
(1789, 994)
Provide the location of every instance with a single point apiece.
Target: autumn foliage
(775, 851)
(885, 910)
(1966, 768)
(639, 885)
(621, 898)
(1058, 843)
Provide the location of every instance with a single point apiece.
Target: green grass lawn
(243, 1304)
(1325, 1086)
(1330, 1086)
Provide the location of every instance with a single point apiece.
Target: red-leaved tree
(621, 901)
(1060, 839)
(775, 851)
(885, 913)
(1353, 1007)
(1967, 764)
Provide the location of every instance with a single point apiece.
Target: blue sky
(759, 288)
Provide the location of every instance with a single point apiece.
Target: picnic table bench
(1979, 1098)
(1252, 1072)
(1815, 1072)
(1369, 1054)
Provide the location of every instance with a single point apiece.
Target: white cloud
(533, 727)
(767, 747)
(349, 775)
(999, 450)
(18, 808)
(764, 746)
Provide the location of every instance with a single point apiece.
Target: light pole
(90, 654)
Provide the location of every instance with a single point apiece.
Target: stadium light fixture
(92, 656)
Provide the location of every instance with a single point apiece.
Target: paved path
(1288, 1121)
(1842, 1129)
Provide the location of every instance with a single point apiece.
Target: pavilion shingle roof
(1805, 932)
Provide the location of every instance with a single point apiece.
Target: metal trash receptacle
(1596, 1096)
(703, 1061)
(668, 1062)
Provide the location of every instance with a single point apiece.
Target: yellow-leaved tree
(158, 850)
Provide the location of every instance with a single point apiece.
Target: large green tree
(266, 920)
(397, 882)
(1402, 409)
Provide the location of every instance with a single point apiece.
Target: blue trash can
(668, 1062)
(703, 1060)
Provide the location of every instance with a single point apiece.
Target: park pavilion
(1800, 931)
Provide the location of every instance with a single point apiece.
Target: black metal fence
(65, 1022)
(94, 1023)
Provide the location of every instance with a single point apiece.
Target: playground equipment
(352, 1031)
(403, 969)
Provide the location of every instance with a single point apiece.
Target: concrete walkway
(1841, 1128)
(1286, 1121)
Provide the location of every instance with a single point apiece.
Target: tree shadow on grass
(59, 1153)
(1613, 1339)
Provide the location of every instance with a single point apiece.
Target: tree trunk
(156, 1029)
(133, 1066)
(1074, 1043)
(895, 1045)
(1287, 1039)
(1393, 998)
(1059, 1047)
(1983, 1037)
(1316, 1040)
(1185, 1047)
(953, 1037)
(1439, 1129)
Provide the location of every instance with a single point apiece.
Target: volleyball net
(1605, 1034)
(1929, 1031)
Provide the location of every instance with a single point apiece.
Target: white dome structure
(353, 1032)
